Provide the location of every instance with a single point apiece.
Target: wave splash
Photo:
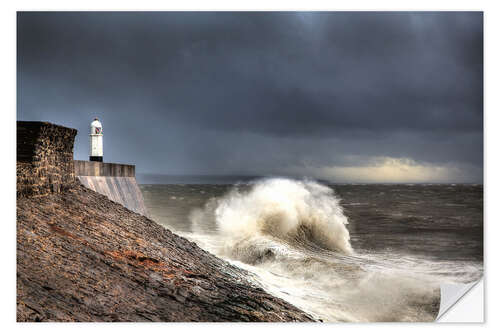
(255, 221)
(293, 236)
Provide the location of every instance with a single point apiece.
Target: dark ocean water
(386, 264)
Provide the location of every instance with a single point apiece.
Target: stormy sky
(344, 97)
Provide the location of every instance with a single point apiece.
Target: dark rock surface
(82, 257)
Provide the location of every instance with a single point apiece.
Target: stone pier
(116, 181)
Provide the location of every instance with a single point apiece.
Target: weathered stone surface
(82, 257)
(123, 190)
(44, 158)
(89, 168)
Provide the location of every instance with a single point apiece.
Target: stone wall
(123, 190)
(44, 158)
(116, 181)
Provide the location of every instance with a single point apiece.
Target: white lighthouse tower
(96, 140)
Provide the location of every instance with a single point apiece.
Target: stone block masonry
(44, 158)
(45, 165)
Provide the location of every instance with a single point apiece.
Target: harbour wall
(45, 165)
(116, 181)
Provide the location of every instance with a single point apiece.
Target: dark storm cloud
(207, 92)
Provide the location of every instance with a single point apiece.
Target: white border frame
(491, 111)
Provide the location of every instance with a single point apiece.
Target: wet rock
(82, 257)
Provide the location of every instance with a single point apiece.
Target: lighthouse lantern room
(96, 141)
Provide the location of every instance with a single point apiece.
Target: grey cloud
(187, 91)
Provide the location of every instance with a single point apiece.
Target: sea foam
(255, 220)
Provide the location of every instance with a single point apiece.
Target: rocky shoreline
(83, 257)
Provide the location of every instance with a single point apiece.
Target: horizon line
(253, 177)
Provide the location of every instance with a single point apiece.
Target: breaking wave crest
(292, 235)
(257, 221)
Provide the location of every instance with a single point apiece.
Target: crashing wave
(256, 222)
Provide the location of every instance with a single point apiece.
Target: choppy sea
(355, 253)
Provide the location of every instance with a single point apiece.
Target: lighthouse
(96, 140)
